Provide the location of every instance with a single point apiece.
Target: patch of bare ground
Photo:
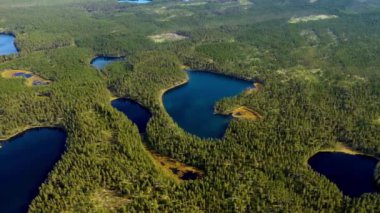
(377, 121)
(246, 113)
(257, 88)
(108, 199)
(179, 171)
(296, 20)
(167, 37)
(31, 79)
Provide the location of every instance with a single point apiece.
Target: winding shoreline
(10, 33)
(339, 148)
(176, 85)
(162, 92)
(230, 75)
(4, 139)
(95, 57)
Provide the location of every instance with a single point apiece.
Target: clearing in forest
(295, 20)
(377, 121)
(31, 79)
(165, 37)
(107, 199)
(257, 87)
(244, 112)
(177, 169)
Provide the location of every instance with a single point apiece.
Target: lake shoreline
(105, 60)
(169, 166)
(210, 87)
(353, 174)
(162, 92)
(342, 148)
(176, 85)
(105, 56)
(31, 156)
(339, 148)
(20, 131)
(229, 75)
(18, 50)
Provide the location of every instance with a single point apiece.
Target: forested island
(311, 70)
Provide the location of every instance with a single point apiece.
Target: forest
(321, 87)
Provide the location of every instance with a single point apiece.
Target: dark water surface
(7, 45)
(353, 174)
(25, 162)
(192, 105)
(134, 111)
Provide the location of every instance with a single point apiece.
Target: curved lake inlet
(101, 62)
(7, 44)
(134, 111)
(353, 174)
(135, 1)
(192, 105)
(140, 116)
(25, 162)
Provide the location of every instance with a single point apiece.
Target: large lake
(7, 45)
(353, 174)
(25, 162)
(134, 111)
(192, 105)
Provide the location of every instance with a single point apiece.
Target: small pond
(101, 62)
(7, 44)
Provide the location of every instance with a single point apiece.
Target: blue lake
(135, 1)
(102, 61)
(134, 111)
(25, 162)
(192, 105)
(7, 45)
(353, 174)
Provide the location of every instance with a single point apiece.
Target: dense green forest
(321, 87)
